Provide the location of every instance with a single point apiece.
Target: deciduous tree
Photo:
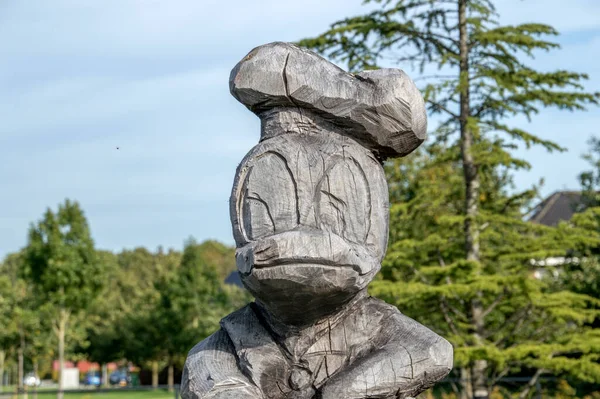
(63, 267)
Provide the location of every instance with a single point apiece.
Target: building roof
(559, 206)
(234, 279)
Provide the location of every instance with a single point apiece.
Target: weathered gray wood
(381, 109)
(309, 212)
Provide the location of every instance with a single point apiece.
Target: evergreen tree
(61, 264)
(485, 81)
(530, 325)
(590, 179)
(584, 276)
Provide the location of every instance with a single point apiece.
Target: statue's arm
(412, 360)
(211, 372)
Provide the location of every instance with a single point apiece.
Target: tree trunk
(171, 379)
(35, 372)
(104, 375)
(155, 374)
(2, 360)
(62, 326)
(466, 144)
(478, 372)
(20, 374)
(465, 383)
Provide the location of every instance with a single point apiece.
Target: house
(234, 279)
(558, 207)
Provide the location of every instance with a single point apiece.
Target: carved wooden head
(309, 205)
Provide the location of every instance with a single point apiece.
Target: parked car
(120, 377)
(92, 378)
(32, 380)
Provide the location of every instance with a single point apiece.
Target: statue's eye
(269, 203)
(344, 202)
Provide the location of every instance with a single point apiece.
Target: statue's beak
(305, 247)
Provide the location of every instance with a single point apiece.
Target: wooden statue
(309, 209)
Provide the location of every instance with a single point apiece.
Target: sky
(81, 78)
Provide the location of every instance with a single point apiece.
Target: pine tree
(590, 179)
(530, 325)
(484, 81)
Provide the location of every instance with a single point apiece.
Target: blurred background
(118, 147)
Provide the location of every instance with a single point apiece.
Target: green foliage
(461, 259)
(170, 297)
(590, 180)
(61, 267)
(583, 274)
(142, 297)
(499, 84)
(60, 258)
(23, 316)
(220, 256)
(183, 307)
(528, 324)
(8, 332)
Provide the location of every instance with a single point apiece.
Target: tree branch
(518, 318)
(493, 305)
(433, 77)
(457, 312)
(444, 309)
(523, 394)
(500, 375)
(441, 107)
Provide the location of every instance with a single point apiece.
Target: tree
(62, 266)
(9, 269)
(23, 318)
(484, 82)
(105, 314)
(184, 308)
(530, 325)
(220, 256)
(584, 276)
(590, 179)
(7, 333)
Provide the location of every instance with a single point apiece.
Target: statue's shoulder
(205, 362)
(218, 346)
(206, 349)
(243, 319)
(211, 368)
(425, 347)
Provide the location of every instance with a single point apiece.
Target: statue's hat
(381, 109)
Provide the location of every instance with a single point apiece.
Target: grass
(115, 394)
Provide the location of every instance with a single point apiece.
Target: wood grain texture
(309, 211)
(381, 109)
